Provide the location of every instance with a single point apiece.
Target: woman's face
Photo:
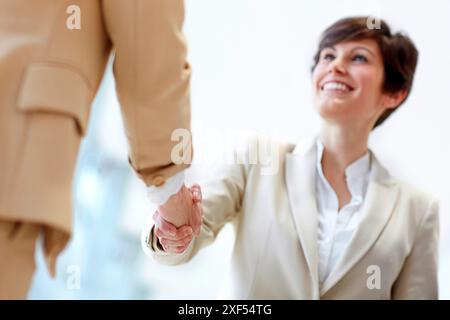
(347, 82)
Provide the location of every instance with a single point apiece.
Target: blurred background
(251, 73)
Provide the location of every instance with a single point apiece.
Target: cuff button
(158, 181)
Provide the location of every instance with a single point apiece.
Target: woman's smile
(335, 88)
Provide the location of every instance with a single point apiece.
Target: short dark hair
(398, 52)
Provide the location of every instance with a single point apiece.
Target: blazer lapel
(378, 206)
(300, 181)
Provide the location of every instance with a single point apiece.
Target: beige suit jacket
(276, 250)
(49, 75)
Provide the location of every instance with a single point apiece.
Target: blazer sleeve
(418, 278)
(152, 82)
(222, 200)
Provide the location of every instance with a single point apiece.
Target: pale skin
(179, 219)
(348, 110)
(349, 115)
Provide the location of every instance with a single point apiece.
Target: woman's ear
(393, 99)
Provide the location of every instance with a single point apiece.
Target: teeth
(335, 86)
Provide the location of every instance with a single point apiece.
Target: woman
(332, 223)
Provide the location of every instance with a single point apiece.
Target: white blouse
(336, 227)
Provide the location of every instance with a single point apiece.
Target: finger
(164, 248)
(164, 226)
(184, 231)
(197, 218)
(177, 250)
(176, 243)
(195, 196)
(196, 193)
(181, 233)
(160, 234)
(155, 215)
(174, 249)
(180, 249)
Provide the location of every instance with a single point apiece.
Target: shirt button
(158, 181)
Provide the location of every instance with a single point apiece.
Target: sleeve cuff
(149, 242)
(160, 195)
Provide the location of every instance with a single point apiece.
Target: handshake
(179, 219)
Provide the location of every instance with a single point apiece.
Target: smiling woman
(363, 60)
(332, 222)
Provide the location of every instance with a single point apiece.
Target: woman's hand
(171, 238)
(182, 208)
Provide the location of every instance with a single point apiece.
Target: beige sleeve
(152, 80)
(418, 278)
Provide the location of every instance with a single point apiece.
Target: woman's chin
(333, 106)
(334, 111)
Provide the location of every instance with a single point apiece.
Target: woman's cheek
(316, 79)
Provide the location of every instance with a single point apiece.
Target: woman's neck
(342, 146)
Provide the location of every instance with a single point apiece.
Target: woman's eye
(360, 58)
(328, 56)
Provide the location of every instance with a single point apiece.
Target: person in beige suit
(331, 222)
(53, 55)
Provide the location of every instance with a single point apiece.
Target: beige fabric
(49, 75)
(17, 246)
(276, 250)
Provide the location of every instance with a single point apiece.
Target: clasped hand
(179, 219)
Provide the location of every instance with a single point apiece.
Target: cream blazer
(276, 221)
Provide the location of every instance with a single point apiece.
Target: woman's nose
(337, 66)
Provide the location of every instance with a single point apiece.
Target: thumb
(197, 218)
(196, 193)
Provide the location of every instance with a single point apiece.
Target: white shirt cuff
(160, 195)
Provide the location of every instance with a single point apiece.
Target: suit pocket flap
(53, 88)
